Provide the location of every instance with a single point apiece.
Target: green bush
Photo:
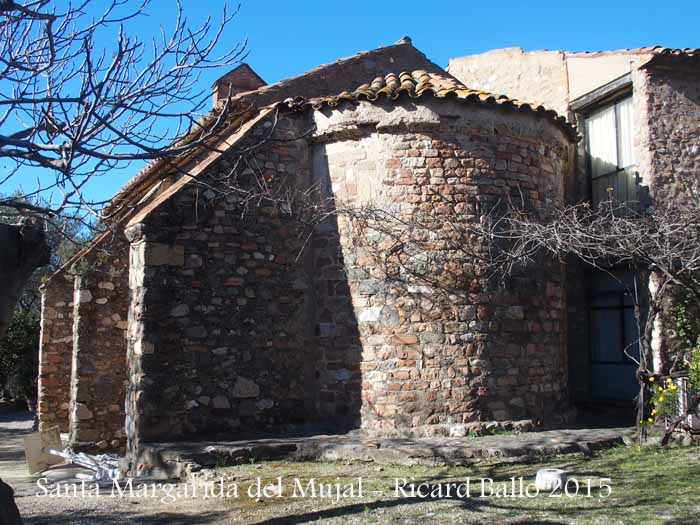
(19, 356)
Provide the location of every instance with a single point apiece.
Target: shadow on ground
(91, 517)
(13, 427)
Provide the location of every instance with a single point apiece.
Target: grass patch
(648, 485)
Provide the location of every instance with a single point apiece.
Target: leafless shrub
(662, 243)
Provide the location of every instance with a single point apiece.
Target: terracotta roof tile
(644, 50)
(416, 84)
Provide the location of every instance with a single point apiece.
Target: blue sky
(286, 38)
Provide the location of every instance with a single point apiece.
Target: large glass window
(610, 149)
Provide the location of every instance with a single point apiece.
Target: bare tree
(73, 108)
(81, 109)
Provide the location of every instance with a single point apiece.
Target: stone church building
(210, 307)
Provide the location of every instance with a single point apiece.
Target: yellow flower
(661, 398)
(651, 379)
(660, 389)
(650, 420)
(653, 412)
(674, 387)
(669, 380)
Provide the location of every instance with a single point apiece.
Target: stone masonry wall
(668, 105)
(669, 110)
(437, 360)
(55, 351)
(98, 378)
(220, 337)
(259, 336)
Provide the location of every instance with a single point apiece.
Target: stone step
(179, 459)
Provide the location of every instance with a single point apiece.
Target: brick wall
(434, 361)
(99, 351)
(55, 351)
(669, 140)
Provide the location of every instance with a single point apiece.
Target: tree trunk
(9, 514)
(23, 249)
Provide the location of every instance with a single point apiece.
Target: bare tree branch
(78, 109)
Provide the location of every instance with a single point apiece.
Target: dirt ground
(37, 507)
(624, 485)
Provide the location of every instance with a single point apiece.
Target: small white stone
(83, 296)
(458, 431)
(370, 315)
(549, 479)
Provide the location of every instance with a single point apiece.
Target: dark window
(613, 326)
(614, 337)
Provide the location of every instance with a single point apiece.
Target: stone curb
(178, 460)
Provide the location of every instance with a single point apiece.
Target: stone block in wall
(158, 254)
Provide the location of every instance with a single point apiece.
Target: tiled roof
(416, 84)
(651, 50)
(689, 51)
(321, 80)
